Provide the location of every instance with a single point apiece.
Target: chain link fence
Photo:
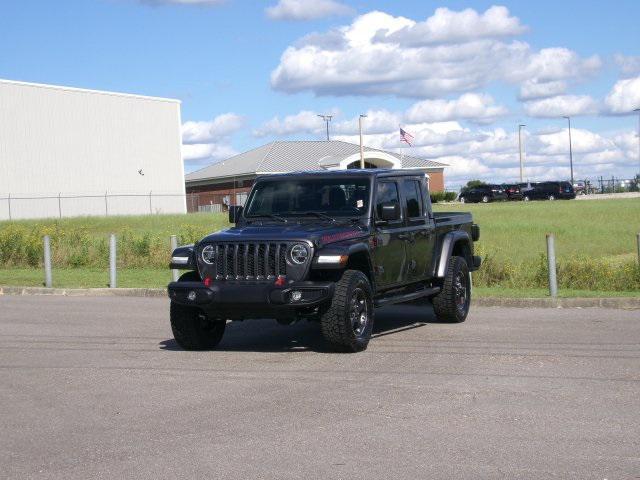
(615, 185)
(214, 202)
(15, 207)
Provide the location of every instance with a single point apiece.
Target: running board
(406, 297)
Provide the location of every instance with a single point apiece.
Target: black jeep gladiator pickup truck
(325, 246)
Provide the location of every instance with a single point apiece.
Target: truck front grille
(247, 261)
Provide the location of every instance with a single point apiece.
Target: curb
(622, 303)
(86, 292)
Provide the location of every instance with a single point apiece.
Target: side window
(411, 190)
(386, 192)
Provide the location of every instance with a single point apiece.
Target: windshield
(339, 197)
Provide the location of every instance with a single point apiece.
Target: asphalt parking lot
(96, 388)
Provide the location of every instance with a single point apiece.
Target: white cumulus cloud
(553, 107)
(478, 108)
(304, 121)
(447, 26)
(376, 121)
(378, 54)
(629, 64)
(204, 132)
(624, 97)
(204, 153)
(535, 89)
(306, 9)
(492, 154)
(209, 141)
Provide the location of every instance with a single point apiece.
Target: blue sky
(460, 80)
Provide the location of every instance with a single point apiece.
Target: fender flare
(448, 243)
(179, 255)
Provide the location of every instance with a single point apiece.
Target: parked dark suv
(548, 191)
(513, 191)
(483, 193)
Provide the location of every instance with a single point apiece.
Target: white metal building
(69, 152)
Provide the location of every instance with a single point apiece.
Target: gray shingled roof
(287, 156)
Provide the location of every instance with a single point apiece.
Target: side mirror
(235, 212)
(390, 211)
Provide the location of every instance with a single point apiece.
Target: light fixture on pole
(570, 147)
(327, 119)
(638, 110)
(361, 146)
(520, 150)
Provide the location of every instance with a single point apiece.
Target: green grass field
(157, 225)
(595, 247)
(516, 230)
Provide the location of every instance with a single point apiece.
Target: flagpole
(401, 150)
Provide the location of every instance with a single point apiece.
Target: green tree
(474, 183)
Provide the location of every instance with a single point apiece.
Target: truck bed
(444, 219)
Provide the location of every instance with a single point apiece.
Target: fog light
(191, 295)
(296, 296)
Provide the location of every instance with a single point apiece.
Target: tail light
(208, 281)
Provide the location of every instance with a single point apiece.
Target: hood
(318, 233)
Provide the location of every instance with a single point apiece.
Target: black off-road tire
(194, 330)
(336, 322)
(191, 328)
(446, 304)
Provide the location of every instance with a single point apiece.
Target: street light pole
(327, 119)
(638, 110)
(570, 148)
(361, 146)
(520, 151)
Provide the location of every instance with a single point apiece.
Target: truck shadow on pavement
(269, 336)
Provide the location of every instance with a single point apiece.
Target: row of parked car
(518, 191)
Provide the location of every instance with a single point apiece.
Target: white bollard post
(47, 262)
(112, 261)
(551, 261)
(174, 245)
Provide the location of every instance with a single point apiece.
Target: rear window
(411, 190)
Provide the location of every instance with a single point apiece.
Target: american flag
(406, 137)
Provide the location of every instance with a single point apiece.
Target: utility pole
(638, 110)
(520, 150)
(361, 146)
(570, 148)
(326, 119)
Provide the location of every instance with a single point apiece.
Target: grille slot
(250, 260)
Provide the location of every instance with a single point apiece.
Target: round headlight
(208, 254)
(299, 254)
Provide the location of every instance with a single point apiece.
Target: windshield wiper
(319, 215)
(275, 216)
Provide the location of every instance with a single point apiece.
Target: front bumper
(245, 298)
